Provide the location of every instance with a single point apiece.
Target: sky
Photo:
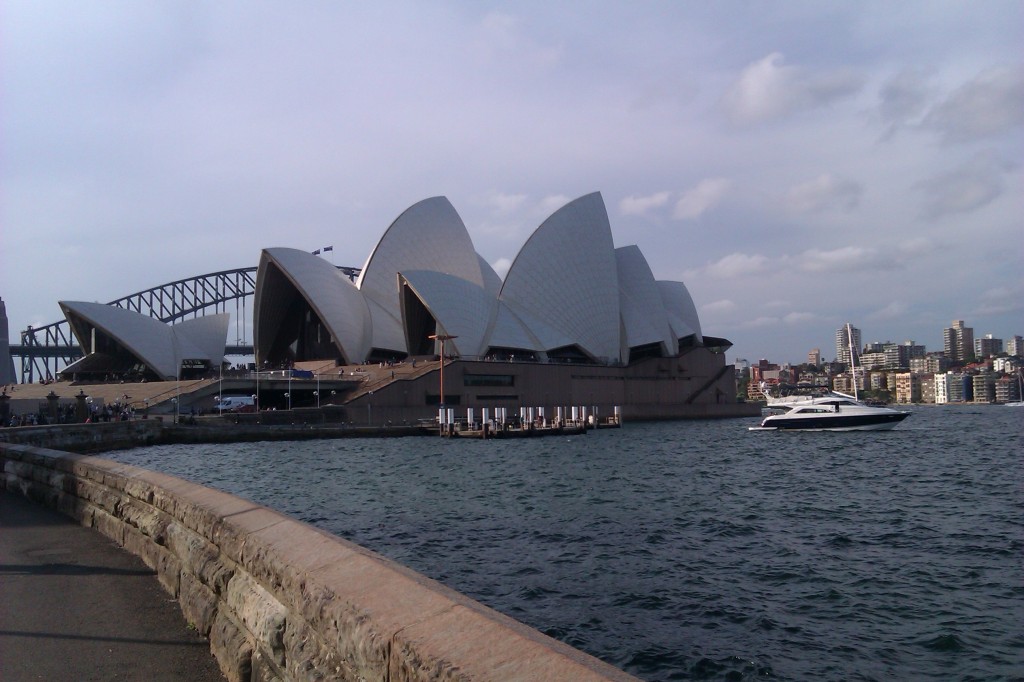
(797, 164)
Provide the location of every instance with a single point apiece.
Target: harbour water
(693, 550)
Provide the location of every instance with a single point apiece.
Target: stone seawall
(281, 600)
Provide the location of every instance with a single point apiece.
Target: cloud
(825, 192)
(989, 104)
(893, 311)
(903, 99)
(768, 89)
(735, 265)
(762, 321)
(844, 259)
(701, 198)
(1003, 299)
(501, 266)
(918, 246)
(505, 203)
(717, 307)
(634, 205)
(500, 38)
(799, 318)
(968, 187)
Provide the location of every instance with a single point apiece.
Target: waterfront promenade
(73, 605)
(275, 598)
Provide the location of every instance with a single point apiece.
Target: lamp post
(177, 376)
(442, 338)
(288, 395)
(369, 409)
(317, 394)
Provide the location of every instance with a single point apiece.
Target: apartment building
(908, 387)
(958, 341)
(987, 346)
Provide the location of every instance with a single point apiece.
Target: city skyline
(808, 165)
(829, 353)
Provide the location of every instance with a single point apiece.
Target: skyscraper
(6, 363)
(843, 343)
(958, 341)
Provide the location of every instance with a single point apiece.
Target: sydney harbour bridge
(45, 350)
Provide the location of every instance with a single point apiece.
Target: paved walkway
(75, 606)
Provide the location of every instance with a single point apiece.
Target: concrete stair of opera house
(155, 392)
(376, 377)
(318, 366)
(373, 377)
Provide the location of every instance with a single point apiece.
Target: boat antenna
(853, 363)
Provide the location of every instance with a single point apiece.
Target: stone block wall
(281, 600)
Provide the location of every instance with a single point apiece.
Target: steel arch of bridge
(47, 349)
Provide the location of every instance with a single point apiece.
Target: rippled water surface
(693, 550)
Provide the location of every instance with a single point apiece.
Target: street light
(317, 394)
(289, 396)
(442, 338)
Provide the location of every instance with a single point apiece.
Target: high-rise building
(958, 341)
(7, 375)
(814, 357)
(987, 347)
(898, 356)
(1015, 346)
(843, 344)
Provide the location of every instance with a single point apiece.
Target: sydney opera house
(570, 295)
(575, 321)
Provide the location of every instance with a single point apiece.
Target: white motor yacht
(830, 411)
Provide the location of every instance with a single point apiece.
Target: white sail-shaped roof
(682, 313)
(492, 282)
(207, 334)
(155, 344)
(509, 331)
(643, 314)
(565, 276)
(461, 308)
(429, 235)
(334, 299)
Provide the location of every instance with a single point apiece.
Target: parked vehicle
(235, 403)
